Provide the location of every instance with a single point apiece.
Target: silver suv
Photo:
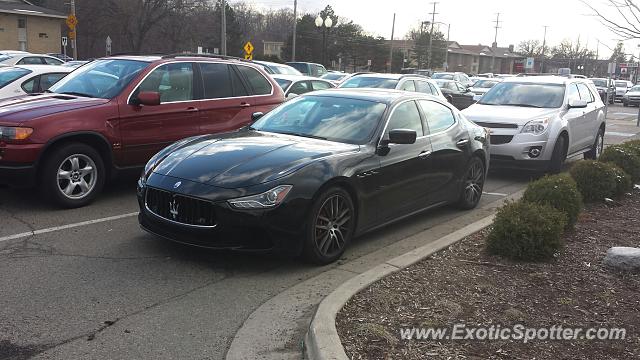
(536, 123)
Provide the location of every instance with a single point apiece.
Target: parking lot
(88, 283)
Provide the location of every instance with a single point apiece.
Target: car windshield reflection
(525, 95)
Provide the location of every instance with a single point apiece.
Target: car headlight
(536, 127)
(267, 199)
(11, 133)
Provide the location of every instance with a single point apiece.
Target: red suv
(115, 113)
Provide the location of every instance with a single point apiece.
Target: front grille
(501, 139)
(181, 209)
(496, 125)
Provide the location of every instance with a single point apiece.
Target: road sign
(248, 56)
(72, 35)
(72, 21)
(248, 48)
(108, 43)
(611, 69)
(368, 62)
(65, 41)
(623, 70)
(529, 63)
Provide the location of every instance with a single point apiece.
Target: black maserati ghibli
(314, 173)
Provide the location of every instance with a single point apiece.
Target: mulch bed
(464, 284)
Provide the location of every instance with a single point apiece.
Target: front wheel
(559, 155)
(472, 185)
(330, 227)
(73, 175)
(596, 149)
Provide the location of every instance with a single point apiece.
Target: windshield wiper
(524, 105)
(301, 135)
(75, 93)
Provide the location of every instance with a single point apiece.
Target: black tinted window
(31, 86)
(406, 116)
(47, 80)
(30, 60)
(439, 117)
(258, 83)
(52, 61)
(299, 88)
(217, 80)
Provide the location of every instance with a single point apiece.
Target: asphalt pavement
(89, 284)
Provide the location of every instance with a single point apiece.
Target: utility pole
(544, 46)
(495, 44)
(74, 43)
(295, 26)
(223, 35)
(446, 49)
(393, 29)
(433, 20)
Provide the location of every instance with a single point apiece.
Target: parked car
(294, 86)
(309, 69)
(459, 95)
(538, 122)
(481, 87)
(63, 57)
(29, 79)
(29, 59)
(75, 63)
(632, 97)
(13, 52)
(113, 114)
(460, 77)
(622, 86)
(601, 85)
(314, 173)
(405, 82)
(335, 77)
(275, 68)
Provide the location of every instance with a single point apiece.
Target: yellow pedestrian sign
(72, 21)
(248, 56)
(248, 48)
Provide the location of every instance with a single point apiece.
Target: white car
(29, 79)
(538, 122)
(480, 87)
(276, 68)
(295, 85)
(28, 59)
(622, 86)
(406, 82)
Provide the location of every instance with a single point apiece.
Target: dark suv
(115, 113)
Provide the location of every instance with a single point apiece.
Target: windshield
(284, 84)
(635, 89)
(101, 79)
(302, 67)
(344, 120)
(4, 57)
(11, 74)
(442, 76)
(621, 84)
(333, 76)
(485, 84)
(370, 82)
(525, 94)
(600, 82)
(285, 70)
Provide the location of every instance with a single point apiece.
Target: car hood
(505, 114)
(633, 93)
(246, 158)
(479, 90)
(25, 108)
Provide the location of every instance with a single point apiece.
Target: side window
(318, 70)
(31, 86)
(47, 80)
(259, 84)
(52, 61)
(320, 85)
(423, 87)
(408, 86)
(174, 82)
(572, 92)
(461, 87)
(585, 93)
(406, 116)
(434, 91)
(30, 60)
(439, 117)
(217, 80)
(299, 88)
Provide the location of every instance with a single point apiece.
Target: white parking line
(494, 194)
(68, 226)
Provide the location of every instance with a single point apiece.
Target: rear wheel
(473, 184)
(330, 227)
(559, 155)
(597, 148)
(72, 175)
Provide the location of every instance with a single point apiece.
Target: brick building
(27, 27)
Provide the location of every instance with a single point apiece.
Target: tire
(559, 155)
(329, 231)
(473, 184)
(66, 169)
(597, 147)
(625, 104)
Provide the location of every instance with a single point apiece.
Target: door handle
(192, 109)
(462, 143)
(244, 105)
(425, 154)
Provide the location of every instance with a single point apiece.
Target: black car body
(601, 86)
(457, 94)
(193, 191)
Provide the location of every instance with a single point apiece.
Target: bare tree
(622, 17)
(530, 48)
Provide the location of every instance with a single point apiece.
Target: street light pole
(433, 20)
(223, 32)
(544, 45)
(393, 28)
(74, 41)
(325, 24)
(295, 26)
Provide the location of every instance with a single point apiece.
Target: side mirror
(292, 96)
(256, 115)
(402, 136)
(577, 104)
(149, 98)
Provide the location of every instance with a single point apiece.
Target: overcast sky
(473, 21)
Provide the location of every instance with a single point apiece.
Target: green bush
(633, 147)
(596, 180)
(624, 158)
(558, 191)
(623, 181)
(527, 231)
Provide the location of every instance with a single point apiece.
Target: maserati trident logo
(173, 209)
(177, 185)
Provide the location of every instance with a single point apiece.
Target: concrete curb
(322, 341)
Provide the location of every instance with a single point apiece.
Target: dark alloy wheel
(473, 185)
(331, 226)
(597, 147)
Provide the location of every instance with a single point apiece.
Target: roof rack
(210, 56)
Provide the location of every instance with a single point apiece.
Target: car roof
(551, 79)
(386, 96)
(294, 77)
(390, 76)
(46, 68)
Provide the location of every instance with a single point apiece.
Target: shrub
(623, 181)
(624, 158)
(596, 180)
(558, 191)
(632, 146)
(527, 231)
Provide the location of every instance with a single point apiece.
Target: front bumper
(17, 175)
(512, 149)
